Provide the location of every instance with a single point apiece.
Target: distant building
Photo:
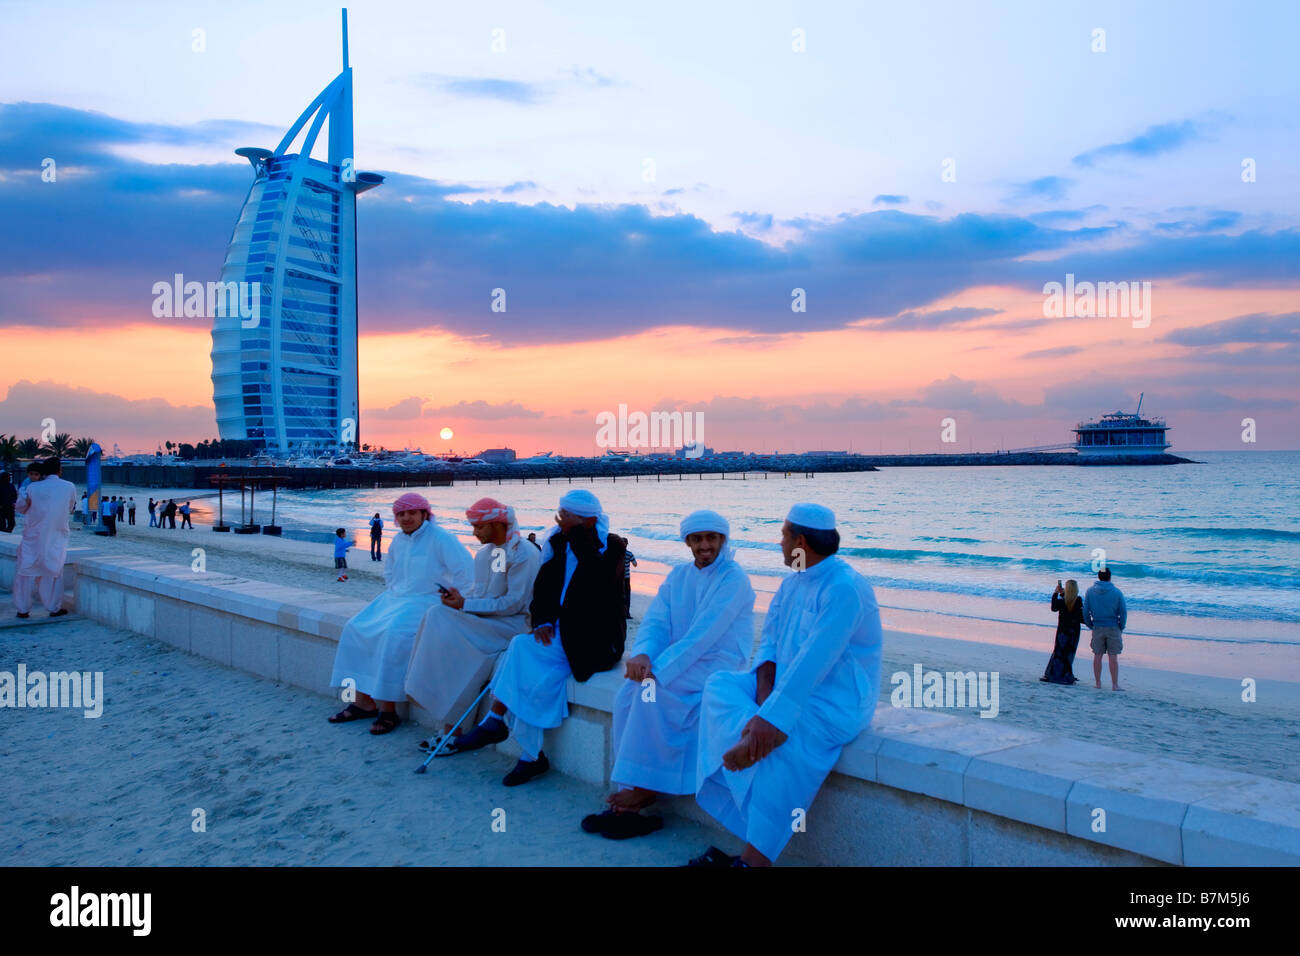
(497, 456)
(289, 380)
(681, 453)
(828, 454)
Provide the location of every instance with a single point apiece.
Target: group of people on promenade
(1103, 611)
(342, 545)
(114, 510)
(487, 645)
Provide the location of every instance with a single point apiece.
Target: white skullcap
(705, 520)
(582, 503)
(809, 515)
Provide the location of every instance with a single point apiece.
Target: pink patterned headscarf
(411, 501)
(489, 509)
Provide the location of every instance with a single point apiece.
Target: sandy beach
(278, 784)
(1187, 716)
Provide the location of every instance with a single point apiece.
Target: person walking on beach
(120, 510)
(578, 630)
(108, 516)
(701, 621)
(1106, 615)
(130, 510)
(341, 545)
(460, 640)
(376, 537)
(8, 497)
(375, 648)
(532, 539)
(185, 517)
(1069, 621)
(38, 569)
(153, 518)
(170, 513)
(770, 736)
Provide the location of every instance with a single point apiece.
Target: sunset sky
(649, 185)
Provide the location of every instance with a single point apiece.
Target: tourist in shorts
(1105, 614)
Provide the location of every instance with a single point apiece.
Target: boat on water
(543, 458)
(1122, 434)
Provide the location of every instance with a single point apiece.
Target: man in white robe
(769, 737)
(375, 647)
(579, 629)
(46, 506)
(700, 622)
(460, 639)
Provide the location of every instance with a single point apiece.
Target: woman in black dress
(1069, 619)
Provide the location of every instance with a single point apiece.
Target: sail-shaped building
(286, 379)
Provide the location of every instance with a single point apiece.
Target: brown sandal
(353, 712)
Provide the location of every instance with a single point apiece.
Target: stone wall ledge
(917, 787)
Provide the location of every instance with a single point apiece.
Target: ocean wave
(1271, 576)
(1262, 534)
(1132, 631)
(1259, 534)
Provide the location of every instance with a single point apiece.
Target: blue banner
(92, 477)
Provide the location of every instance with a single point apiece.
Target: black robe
(593, 628)
(1060, 666)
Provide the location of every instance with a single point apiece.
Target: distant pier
(748, 468)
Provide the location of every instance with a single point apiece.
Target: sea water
(1206, 552)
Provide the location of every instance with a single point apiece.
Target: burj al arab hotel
(287, 380)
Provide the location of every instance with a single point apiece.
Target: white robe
(823, 633)
(455, 651)
(45, 506)
(701, 621)
(533, 678)
(376, 644)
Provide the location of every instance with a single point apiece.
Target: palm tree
(29, 447)
(81, 447)
(60, 445)
(8, 448)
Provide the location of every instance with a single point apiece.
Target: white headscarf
(706, 520)
(584, 504)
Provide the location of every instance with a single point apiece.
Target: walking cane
(449, 734)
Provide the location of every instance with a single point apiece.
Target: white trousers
(532, 681)
(49, 587)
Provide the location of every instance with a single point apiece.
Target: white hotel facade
(289, 383)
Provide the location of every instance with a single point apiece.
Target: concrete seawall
(917, 788)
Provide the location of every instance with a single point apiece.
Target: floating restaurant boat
(1122, 434)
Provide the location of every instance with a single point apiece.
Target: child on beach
(341, 545)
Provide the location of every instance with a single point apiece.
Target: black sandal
(385, 723)
(352, 712)
(624, 826)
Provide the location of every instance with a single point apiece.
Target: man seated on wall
(579, 629)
